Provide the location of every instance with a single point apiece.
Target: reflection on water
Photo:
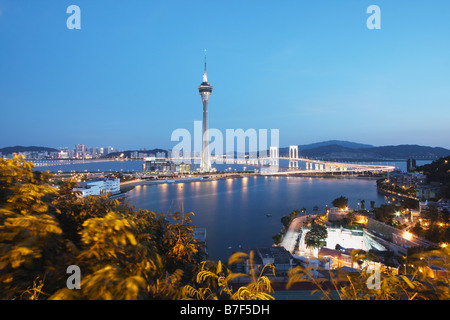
(234, 210)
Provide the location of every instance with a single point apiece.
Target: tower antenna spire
(205, 77)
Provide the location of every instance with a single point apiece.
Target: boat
(268, 215)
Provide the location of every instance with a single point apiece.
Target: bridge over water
(270, 164)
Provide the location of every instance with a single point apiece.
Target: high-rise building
(205, 90)
(411, 165)
(80, 151)
(156, 165)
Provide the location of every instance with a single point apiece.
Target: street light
(407, 235)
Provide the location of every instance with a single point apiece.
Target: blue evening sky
(311, 69)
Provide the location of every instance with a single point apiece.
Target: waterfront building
(161, 155)
(94, 152)
(134, 154)
(342, 259)
(406, 179)
(99, 187)
(336, 258)
(65, 153)
(158, 165)
(443, 203)
(427, 192)
(339, 237)
(411, 165)
(184, 168)
(406, 240)
(279, 257)
(433, 271)
(337, 214)
(80, 151)
(205, 90)
(415, 215)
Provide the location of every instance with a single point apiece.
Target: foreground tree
(214, 281)
(343, 285)
(31, 239)
(316, 237)
(341, 202)
(123, 253)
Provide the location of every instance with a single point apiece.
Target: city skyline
(128, 77)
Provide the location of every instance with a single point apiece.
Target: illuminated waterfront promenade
(62, 162)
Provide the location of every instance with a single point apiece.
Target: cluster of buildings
(34, 155)
(80, 151)
(425, 191)
(406, 179)
(375, 236)
(428, 192)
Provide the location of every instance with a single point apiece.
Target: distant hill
(379, 153)
(17, 149)
(346, 150)
(346, 144)
(328, 145)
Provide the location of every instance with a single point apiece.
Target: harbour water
(234, 211)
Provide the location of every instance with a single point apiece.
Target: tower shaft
(205, 164)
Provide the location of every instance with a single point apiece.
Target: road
(290, 238)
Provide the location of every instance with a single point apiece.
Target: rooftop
(279, 255)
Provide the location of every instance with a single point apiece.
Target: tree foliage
(213, 282)
(341, 202)
(123, 253)
(344, 285)
(316, 237)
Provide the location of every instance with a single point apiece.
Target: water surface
(234, 210)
